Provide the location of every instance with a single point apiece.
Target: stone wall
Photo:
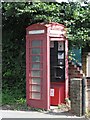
(88, 94)
(76, 96)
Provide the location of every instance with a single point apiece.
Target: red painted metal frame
(46, 37)
(44, 102)
(66, 70)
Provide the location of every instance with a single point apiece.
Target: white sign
(51, 92)
(36, 32)
(60, 55)
(56, 32)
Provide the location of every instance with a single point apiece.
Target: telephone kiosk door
(57, 72)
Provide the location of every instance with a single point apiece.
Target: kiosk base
(57, 95)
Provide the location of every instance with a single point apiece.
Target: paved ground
(35, 114)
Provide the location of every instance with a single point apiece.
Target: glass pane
(36, 88)
(36, 65)
(36, 43)
(35, 58)
(36, 95)
(36, 50)
(35, 73)
(36, 80)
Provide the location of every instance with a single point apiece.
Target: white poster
(60, 55)
(51, 92)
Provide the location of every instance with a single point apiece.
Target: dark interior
(57, 63)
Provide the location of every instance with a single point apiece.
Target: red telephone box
(46, 65)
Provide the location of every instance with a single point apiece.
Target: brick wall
(74, 71)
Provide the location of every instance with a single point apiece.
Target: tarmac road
(35, 114)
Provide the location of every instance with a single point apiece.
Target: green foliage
(21, 101)
(17, 16)
(10, 96)
(7, 98)
(73, 15)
